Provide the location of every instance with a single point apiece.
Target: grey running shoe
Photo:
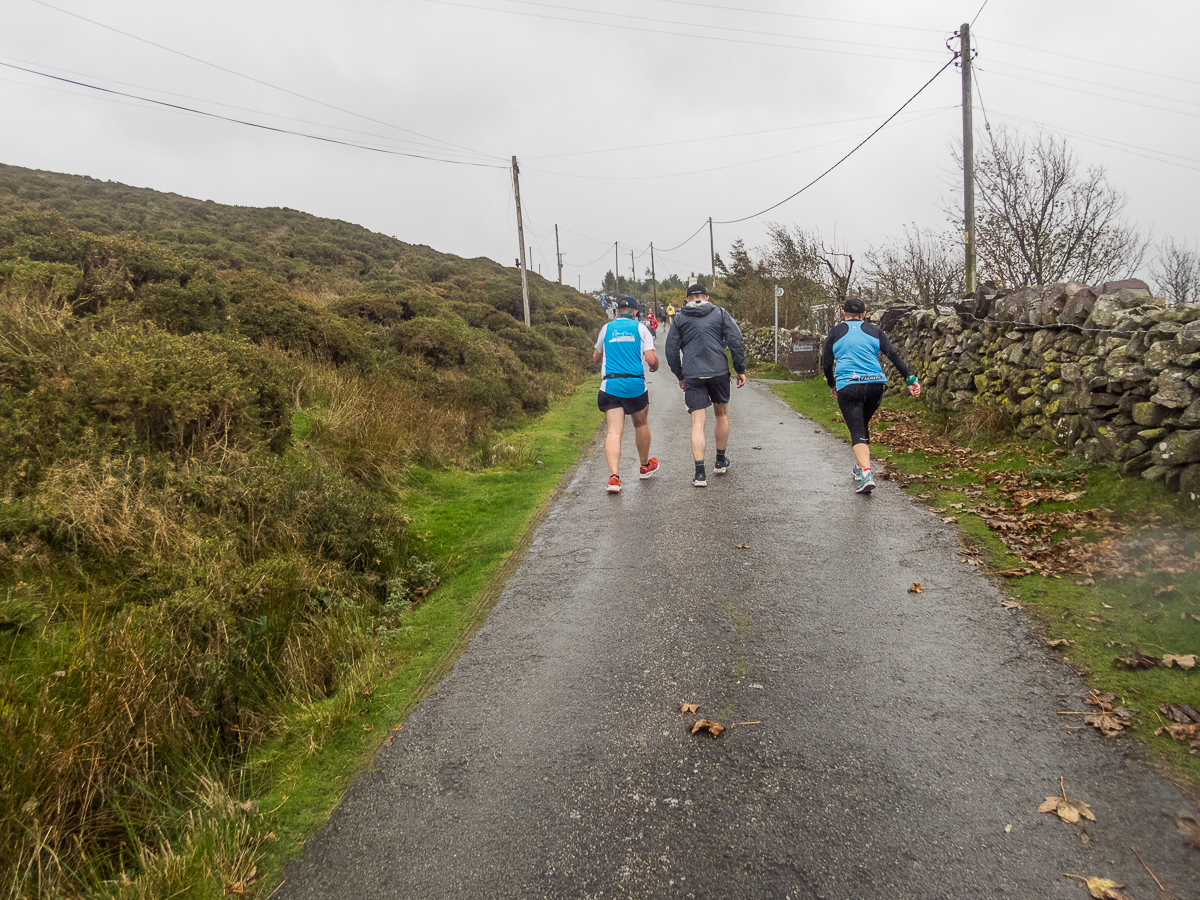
(700, 480)
(866, 483)
(856, 472)
(722, 466)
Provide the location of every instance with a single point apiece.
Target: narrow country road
(900, 747)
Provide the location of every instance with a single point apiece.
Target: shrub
(200, 305)
(265, 311)
(441, 341)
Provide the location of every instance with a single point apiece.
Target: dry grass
(33, 321)
(984, 421)
(377, 425)
(114, 505)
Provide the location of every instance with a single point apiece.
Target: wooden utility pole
(653, 278)
(558, 253)
(633, 269)
(616, 268)
(521, 238)
(968, 158)
(712, 253)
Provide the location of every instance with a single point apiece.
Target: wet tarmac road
(898, 736)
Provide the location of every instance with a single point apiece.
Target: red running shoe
(649, 468)
(614, 484)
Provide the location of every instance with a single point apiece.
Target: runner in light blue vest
(620, 349)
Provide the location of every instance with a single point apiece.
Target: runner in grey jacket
(696, 356)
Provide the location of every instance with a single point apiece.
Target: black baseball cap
(697, 290)
(627, 303)
(855, 306)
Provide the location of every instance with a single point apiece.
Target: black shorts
(701, 393)
(858, 403)
(631, 405)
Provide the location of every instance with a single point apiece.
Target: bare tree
(1177, 273)
(924, 269)
(1041, 218)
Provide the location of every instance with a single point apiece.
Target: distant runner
(853, 347)
(696, 354)
(622, 345)
(670, 313)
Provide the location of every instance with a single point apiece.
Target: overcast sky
(633, 120)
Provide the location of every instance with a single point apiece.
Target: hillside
(208, 415)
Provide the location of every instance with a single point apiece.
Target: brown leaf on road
(1136, 661)
(689, 707)
(759, 447)
(1184, 662)
(1012, 604)
(1189, 828)
(1070, 811)
(1059, 642)
(1101, 888)
(1109, 722)
(716, 729)
(742, 546)
(915, 588)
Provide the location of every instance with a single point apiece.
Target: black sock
(699, 466)
(720, 455)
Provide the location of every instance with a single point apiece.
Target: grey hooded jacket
(700, 334)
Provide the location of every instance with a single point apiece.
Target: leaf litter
(1075, 541)
(1070, 811)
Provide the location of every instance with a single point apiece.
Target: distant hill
(291, 246)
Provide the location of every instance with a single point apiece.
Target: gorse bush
(206, 419)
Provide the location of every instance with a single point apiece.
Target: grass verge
(1108, 565)
(473, 525)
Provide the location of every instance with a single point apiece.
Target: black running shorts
(858, 403)
(701, 393)
(631, 405)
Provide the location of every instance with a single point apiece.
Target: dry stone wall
(1107, 372)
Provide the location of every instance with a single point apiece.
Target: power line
(200, 112)
(737, 165)
(702, 37)
(1111, 87)
(694, 233)
(598, 12)
(949, 63)
(256, 80)
(392, 141)
(1095, 62)
(718, 137)
(766, 12)
(1061, 87)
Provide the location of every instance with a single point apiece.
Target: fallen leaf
(1070, 811)
(1177, 712)
(1189, 828)
(915, 588)
(1105, 605)
(742, 546)
(1059, 642)
(1087, 582)
(689, 707)
(1184, 662)
(1164, 590)
(1012, 604)
(716, 729)
(950, 520)
(759, 447)
(1101, 888)
(368, 728)
(1137, 661)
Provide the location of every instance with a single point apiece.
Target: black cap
(855, 306)
(627, 303)
(696, 290)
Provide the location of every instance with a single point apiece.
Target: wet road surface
(902, 742)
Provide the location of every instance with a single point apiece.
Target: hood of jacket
(698, 309)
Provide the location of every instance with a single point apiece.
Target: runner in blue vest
(622, 345)
(853, 347)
